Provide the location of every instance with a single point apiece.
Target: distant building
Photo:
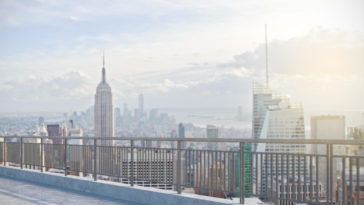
(54, 130)
(235, 170)
(356, 133)
(43, 130)
(328, 127)
(212, 132)
(350, 199)
(213, 181)
(117, 116)
(153, 169)
(290, 192)
(181, 134)
(75, 132)
(153, 115)
(104, 112)
(263, 99)
(275, 117)
(40, 121)
(141, 106)
(181, 130)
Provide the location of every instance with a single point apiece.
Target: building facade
(212, 132)
(327, 127)
(275, 117)
(104, 111)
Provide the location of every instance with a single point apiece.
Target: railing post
(95, 157)
(329, 173)
(4, 150)
(65, 157)
(41, 155)
(242, 148)
(132, 162)
(21, 152)
(179, 175)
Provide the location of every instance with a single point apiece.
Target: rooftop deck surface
(15, 192)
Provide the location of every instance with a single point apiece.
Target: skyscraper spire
(266, 57)
(103, 68)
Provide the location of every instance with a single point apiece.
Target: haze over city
(189, 54)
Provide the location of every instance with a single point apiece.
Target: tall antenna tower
(266, 58)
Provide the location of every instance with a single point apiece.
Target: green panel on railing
(247, 171)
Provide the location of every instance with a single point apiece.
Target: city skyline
(167, 64)
(202, 102)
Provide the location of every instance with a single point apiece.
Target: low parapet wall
(137, 194)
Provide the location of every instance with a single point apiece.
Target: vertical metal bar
(95, 159)
(193, 168)
(282, 174)
(186, 168)
(215, 170)
(294, 191)
(209, 170)
(330, 173)
(299, 178)
(271, 175)
(357, 180)
(220, 156)
(41, 155)
(256, 173)
(4, 150)
(225, 165)
(204, 170)
(287, 176)
(179, 167)
(311, 178)
(251, 172)
(132, 162)
(276, 178)
(317, 178)
(304, 179)
(261, 175)
(266, 175)
(232, 172)
(200, 169)
(21, 152)
(65, 157)
(343, 182)
(242, 149)
(165, 169)
(351, 182)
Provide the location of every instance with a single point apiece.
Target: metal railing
(281, 177)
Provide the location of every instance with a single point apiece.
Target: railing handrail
(227, 140)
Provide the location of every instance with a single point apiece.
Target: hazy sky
(190, 53)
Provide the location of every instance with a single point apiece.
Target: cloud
(38, 93)
(294, 67)
(320, 52)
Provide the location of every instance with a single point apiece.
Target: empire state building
(104, 111)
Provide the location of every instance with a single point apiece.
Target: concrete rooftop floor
(24, 193)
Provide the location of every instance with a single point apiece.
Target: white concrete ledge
(137, 194)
